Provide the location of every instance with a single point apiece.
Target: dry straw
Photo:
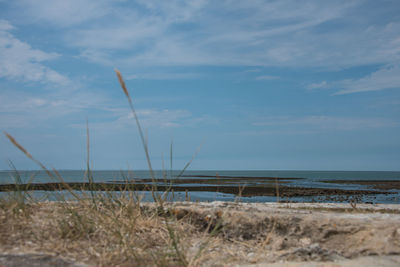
(15, 143)
(143, 139)
(122, 82)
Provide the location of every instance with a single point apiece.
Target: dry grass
(116, 232)
(105, 228)
(121, 231)
(116, 229)
(112, 233)
(348, 210)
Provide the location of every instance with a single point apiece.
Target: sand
(246, 234)
(294, 234)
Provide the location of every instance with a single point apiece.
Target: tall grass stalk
(277, 190)
(54, 176)
(158, 199)
(21, 195)
(88, 169)
(142, 137)
(116, 216)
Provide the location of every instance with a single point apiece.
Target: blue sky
(291, 85)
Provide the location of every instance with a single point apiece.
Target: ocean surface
(312, 179)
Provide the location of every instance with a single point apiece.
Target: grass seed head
(121, 81)
(15, 143)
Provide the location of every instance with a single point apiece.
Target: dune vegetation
(115, 228)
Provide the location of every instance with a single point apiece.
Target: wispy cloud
(160, 118)
(163, 76)
(256, 33)
(387, 77)
(19, 61)
(28, 110)
(149, 118)
(267, 77)
(323, 123)
(320, 85)
(64, 13)
(252, 70)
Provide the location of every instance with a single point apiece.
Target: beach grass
(115, 228)
(105, 228)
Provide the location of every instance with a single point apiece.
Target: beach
(199, 133)
(206, 234)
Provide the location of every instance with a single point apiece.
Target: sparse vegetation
(120, 231)
(114, 228)
(107, 228)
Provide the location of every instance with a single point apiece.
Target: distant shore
(276, 187)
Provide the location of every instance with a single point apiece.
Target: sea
(313, 179)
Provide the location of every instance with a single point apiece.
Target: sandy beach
(226, 234)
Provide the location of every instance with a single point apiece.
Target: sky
(242, 85)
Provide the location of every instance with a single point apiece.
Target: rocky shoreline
(271, 189)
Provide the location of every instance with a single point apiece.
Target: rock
(305, 241)
(36, 260)
(370, 261)
(312, 253)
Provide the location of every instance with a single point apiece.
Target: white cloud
(65, 13)
(322, 123)
(267, 77)
(5, 25)
(29, 110)
(257, 33)
(163, 76)
(162, 118)
(19, 61)
(252, 70)
(97, 56)
(320, 85)
(23, 108)
(331, 34)
(387, 77)
(149, 118)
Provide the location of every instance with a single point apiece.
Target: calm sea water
(310, 179)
